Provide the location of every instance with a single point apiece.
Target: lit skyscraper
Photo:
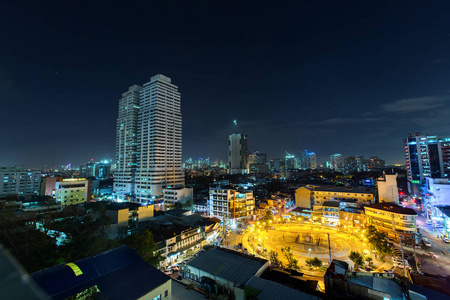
(426, 156)
(336, 162)
(237, 153)
(126, 142)
(312, 160)
(159, 139)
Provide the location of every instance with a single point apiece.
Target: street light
(309, 250)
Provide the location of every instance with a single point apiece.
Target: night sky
(327, 76)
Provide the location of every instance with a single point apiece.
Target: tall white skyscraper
(126, 143)
(159, 139)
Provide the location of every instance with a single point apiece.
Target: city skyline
(307, 79)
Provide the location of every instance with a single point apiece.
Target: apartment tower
(159, 139)
(126, 143)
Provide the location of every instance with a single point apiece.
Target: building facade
(336, 162)
(424, 156)
(237, 153)
(393, 219)
(230, 205)
(387, 188)
(363, 196)
(126, 143)
(17, 181)
(177, 194)
(72, 191)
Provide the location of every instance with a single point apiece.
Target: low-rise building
(351, 218)
(177, 194)
(223, 271)
(361, 195)
(125, 217)
(340, 283)
(231, 205)
(72, 191)
(392, 219)
(327, 213)
(116, 274)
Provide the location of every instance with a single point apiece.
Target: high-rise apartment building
(237, 153)
(159, 139)
(423, 156)
(312, 160)
(126, 143)
(148, 141)
(290, 162)
(336, 162)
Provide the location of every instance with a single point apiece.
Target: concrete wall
(303, 197)
(167, 286)
(387, 189)
(145, 212)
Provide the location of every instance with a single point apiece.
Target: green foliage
(378, 241)
(274, 259)
(208, 247)
(313, 262)
(292, 262)
(268, 217)
(357, 258)
(145, 246)
(369, 260)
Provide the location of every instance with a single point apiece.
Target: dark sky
(350, 77)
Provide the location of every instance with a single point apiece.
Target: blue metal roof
(119, 273)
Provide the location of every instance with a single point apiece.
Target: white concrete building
(387, 188)
(126, 143)
(159, 139)
(17, 181)
(72, 191)
(176, 194)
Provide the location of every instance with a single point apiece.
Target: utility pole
(329, 246)
(403, 257)
(415, 257)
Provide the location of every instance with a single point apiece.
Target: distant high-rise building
(126, 142)
(336, 161)
(426, 156)
(159, 139)
(303, 160)
(290, 162)
(376, 163)
(237, 153)
(257, 158)
(312, 161)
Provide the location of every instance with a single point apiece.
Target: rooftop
(267, 290)
(341, 189)
(227, 264)
(331, 203)
(119, 273)
(394, 208)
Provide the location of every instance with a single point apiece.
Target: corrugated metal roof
(229, 265)
(120, 273)
(269, 290)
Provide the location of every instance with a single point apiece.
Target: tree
(274, 259)
(188, 205)
(357, 258)
(292, 262)
(145, 246)
(378, 240)
(268, 217)
(313, 262)
(369, 260)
